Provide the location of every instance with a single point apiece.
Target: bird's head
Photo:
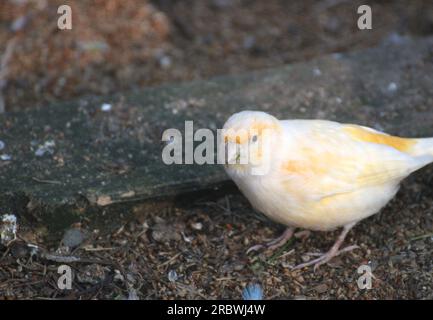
(248, 138)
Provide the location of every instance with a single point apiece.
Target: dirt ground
(195, 248)
(173, 40)
(198, 251)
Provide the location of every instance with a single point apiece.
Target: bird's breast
(296, 208)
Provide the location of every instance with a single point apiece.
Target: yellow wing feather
(332, 159)
(364, 134)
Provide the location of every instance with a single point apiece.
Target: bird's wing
(330, 158)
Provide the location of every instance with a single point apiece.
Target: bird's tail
(422, 147)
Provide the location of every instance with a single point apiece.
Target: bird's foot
(324, 258)
(274, 244)
(333, 252)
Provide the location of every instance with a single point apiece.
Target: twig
(71, 259)
(99, 249)
(428, 235)
(170, 260)
(46, 181)
(286, 254)
(60, 259)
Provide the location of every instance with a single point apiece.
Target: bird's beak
(235, 151)
(232, 153)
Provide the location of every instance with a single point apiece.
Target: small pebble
(73, 238)
(6, 157)
(392, 87)
(197, 226)
(165, 62)
(172, 276)
(47, 147)
(106, 107)
(321, 288)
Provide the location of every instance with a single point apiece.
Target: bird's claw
(274, 244)
(324, 258)
(257, 247)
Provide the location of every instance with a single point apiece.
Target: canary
(315, 174)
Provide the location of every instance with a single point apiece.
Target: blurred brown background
(119, 45)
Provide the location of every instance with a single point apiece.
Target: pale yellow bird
(318, 175)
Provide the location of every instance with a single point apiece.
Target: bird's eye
(254, 138)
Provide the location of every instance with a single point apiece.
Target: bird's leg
(304, 234)
(276, 243)
(333, 252)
